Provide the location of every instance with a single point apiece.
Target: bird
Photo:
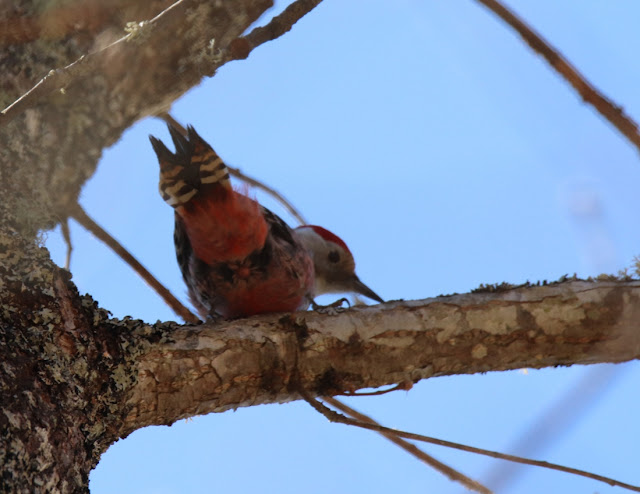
(237, 258)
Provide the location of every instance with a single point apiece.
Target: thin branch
(412, 449)
(557, 419)
(169, 120)
(83, 218)
(334, 416)
(66, 235)
(240, 48)
(240, 175)
(608, 109)
(403, 386)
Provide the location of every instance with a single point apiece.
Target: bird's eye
(334, 256)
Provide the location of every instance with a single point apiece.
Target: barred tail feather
(193, 164)
(211, 168)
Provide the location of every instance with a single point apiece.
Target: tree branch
(59, 78)
(94, 92)
(613, 112)
(79, 214)
(281, 24)
(247, 362)
(238, 48)
(66, 235)
(412, 449)
(341, 419)
(567, 411)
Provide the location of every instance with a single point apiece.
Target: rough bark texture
(72, 380)
(116, 85)
(57, 353)
(62, 362)
(204, 369)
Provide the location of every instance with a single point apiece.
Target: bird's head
(335, 268)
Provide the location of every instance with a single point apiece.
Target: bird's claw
(332, 309)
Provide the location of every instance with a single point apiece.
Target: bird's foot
(332, 309)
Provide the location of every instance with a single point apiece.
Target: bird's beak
(358, 287)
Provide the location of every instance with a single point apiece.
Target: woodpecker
(238, 258)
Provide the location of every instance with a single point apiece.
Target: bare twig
(558, 418)
(83, 218)
(169, 120)
(240, 48)
(413, 449)
(282, 23)
(403, 386)
(238, 174)
(334, 416)
(66, 235)
(608, 109)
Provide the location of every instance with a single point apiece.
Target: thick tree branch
(140, 35)
(209, 368)
(61, 352)
(86, 103)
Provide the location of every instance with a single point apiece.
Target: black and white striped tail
(193, 164)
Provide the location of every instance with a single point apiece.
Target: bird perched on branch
(237, 257)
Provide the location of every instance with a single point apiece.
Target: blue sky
(446, 154)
